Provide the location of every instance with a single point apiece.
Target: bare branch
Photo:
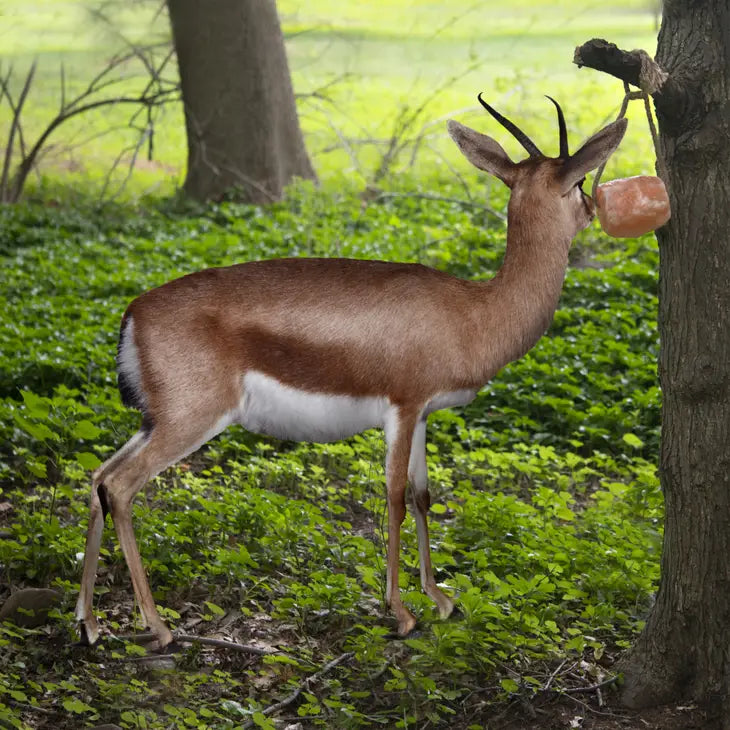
(633, 67)
(134, 49)
(144, 133)
(97, 84)
(5, 92)
(554, 674)
(15, 125)
(319, 92)
(405, 121)
(63, 86)
(158, 99)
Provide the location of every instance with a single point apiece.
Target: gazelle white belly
(272, 408)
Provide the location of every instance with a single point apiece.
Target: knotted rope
(651, 80)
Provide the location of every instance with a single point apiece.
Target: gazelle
(320, 349)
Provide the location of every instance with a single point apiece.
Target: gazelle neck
(522, 298)
(535, 258)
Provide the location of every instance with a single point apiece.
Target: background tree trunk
(684, 651)
(240, 114)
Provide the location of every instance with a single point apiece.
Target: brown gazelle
(320, 349)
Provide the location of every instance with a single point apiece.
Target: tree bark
(684, 650)
(242, 126)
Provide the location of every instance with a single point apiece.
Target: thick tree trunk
(684, 651)
(242, 125)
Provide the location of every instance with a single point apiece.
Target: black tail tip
(103, 499)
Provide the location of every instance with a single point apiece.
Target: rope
(651, 79)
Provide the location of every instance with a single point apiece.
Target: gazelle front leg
(398, 434)
(418, 477)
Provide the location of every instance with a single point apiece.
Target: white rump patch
(272, 408)
(128, 360)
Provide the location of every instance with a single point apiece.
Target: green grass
(547, 517)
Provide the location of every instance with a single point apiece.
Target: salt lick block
(631, 206)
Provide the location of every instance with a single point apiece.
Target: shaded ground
(49, 656)
(586, 708)
(588, 715)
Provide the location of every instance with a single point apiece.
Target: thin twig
(305, 684)
(5, 91)
(408, 117)
(34, 708)
(595, 711)
(63, 85)
(551, 678)
(443, 199)
(144, 133)
(592, 688)
(318, 93)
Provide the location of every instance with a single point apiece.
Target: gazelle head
(544, 189)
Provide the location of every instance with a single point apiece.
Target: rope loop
(651, 80)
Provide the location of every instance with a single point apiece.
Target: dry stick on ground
(34, 708)
(191, 639)
(223, 644)
(592, 688)
(305, 684)
(600, 713)
(551, 678)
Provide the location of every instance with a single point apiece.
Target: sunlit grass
(376, 60)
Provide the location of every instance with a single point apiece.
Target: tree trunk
(240, 115)
(684, 651)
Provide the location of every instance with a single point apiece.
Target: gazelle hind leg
(418, 478)
(97, 513)
(84, 605)
(117, 486)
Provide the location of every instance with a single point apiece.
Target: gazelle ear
(592, 154)
(483, 152)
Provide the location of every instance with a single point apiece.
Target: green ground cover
(547, 515)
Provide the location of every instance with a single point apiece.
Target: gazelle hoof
(446, 607)
(172, 648)
(88, 634)
(406, 625)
